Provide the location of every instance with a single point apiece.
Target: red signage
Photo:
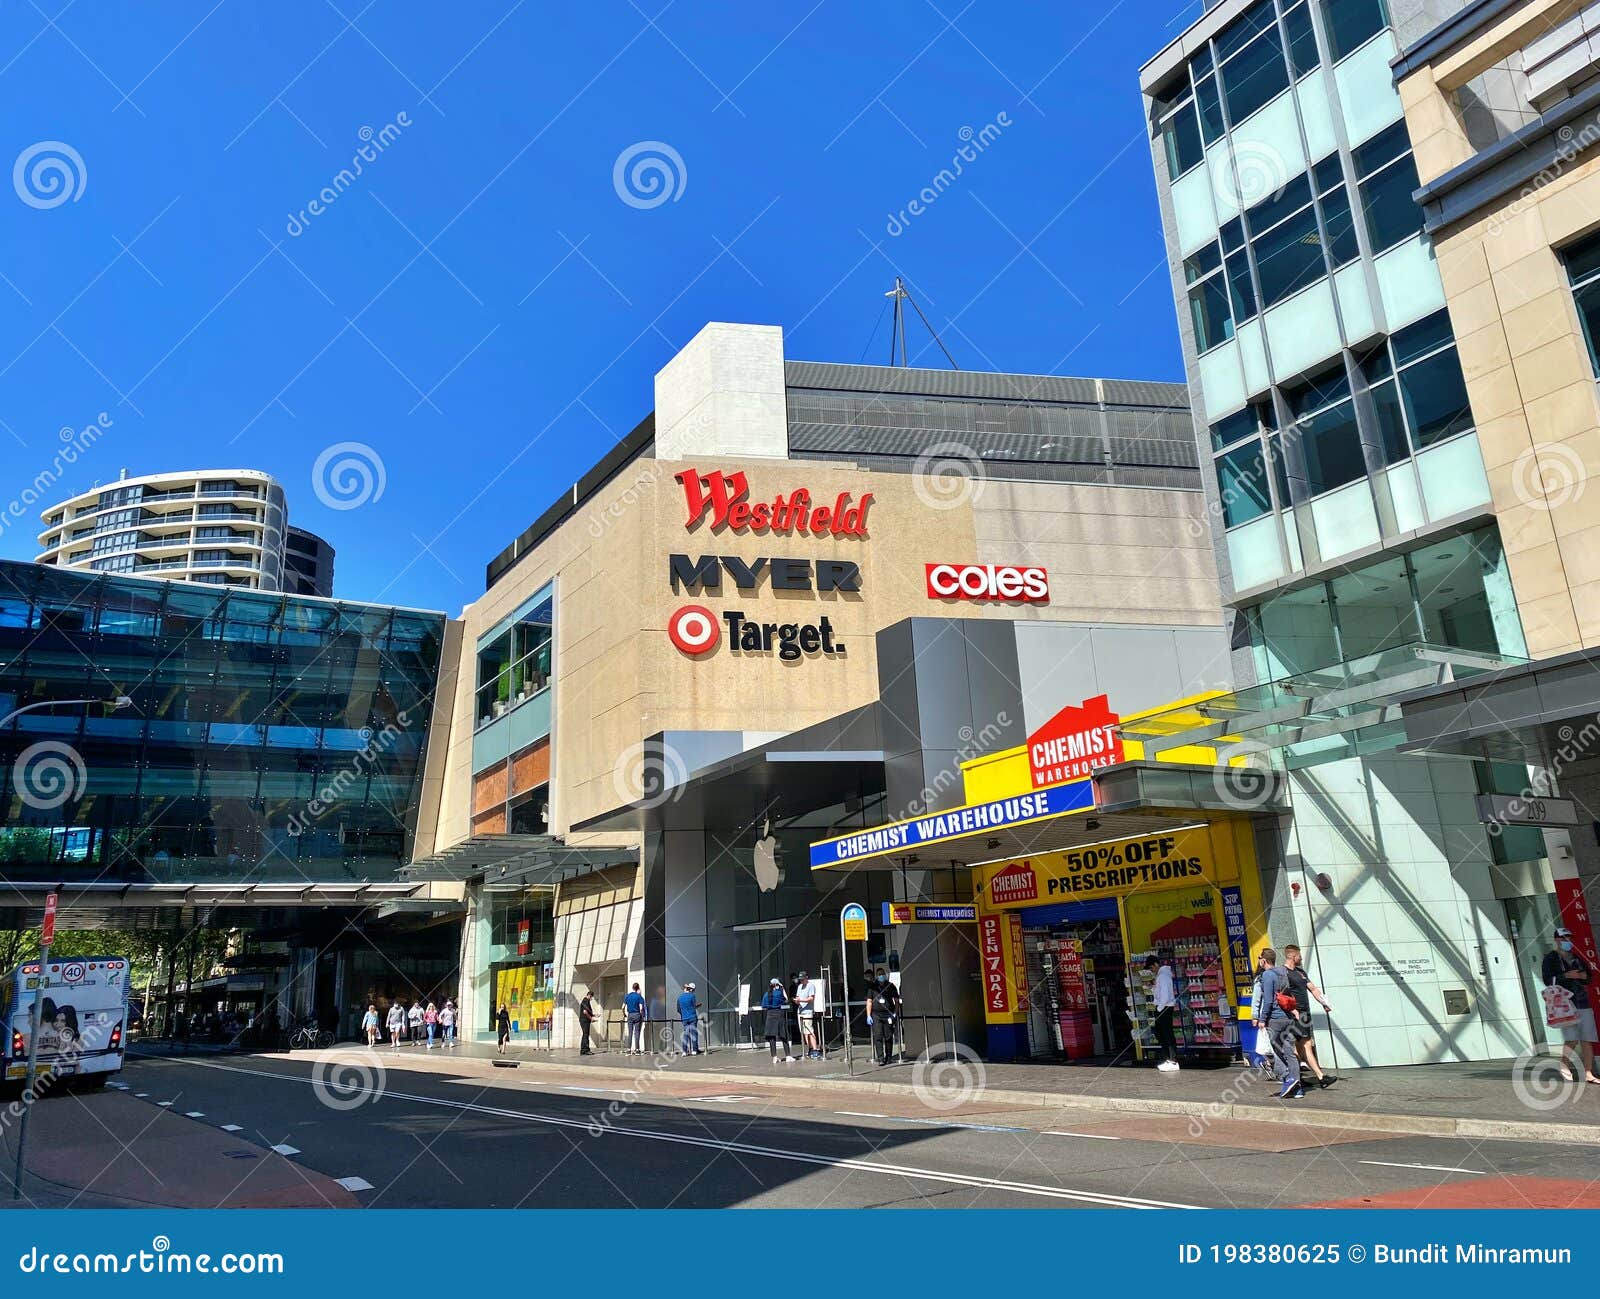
(992, 951)
(694, 629)
(987, 582)
(48, 935)
(724, 498)
(1016, 883)
(1075, 743)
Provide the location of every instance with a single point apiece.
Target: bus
(85, 1014)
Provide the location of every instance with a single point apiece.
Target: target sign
(694, 630)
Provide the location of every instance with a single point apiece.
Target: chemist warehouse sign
(1157, 861)
(907, 836)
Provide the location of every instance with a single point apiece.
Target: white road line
(1087, 1136)
(1432, 1168)
(859, 1114)
(142, 1095)
(354, 1183)
(907, 1171)
(194, 1114)
(231, 1127)
(286, 1151)
(164, 1104)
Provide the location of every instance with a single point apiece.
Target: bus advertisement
(84, 1004)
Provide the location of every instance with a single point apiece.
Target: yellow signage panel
(1115, 869)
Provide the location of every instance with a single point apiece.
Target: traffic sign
(48, 936)
(853, 923)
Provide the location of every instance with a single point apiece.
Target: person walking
(1166, 1002)
(884, 1003)
(1257, 1049)
(1565, 968)
(689, 1015)
(586, 1023)
(414, 1022)
(369, 1025)
(776, 1004)
(502, 1028)
(430, 1020)
(633, 1007)
(805, 1000)
(397, 1024)
(447, 1023)
(1304, 990)
(1275, 1013)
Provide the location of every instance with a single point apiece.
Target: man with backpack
(1276, 1013)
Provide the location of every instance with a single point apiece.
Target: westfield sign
(724, 499)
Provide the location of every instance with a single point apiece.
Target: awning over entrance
(525, 860)
(1545, 713)
(105, 904)
(1134, 798)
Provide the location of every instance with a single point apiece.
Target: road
(408, 1132)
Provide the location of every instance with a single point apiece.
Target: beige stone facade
(1113, 555)
(1529, 375)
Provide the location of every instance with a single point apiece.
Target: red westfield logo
(1016, 883)
(724, 498)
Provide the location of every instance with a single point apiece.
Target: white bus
(85, 1005)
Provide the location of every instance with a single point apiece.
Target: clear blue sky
(480, 306)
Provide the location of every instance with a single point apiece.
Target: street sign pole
(852, 928)
(47, 936)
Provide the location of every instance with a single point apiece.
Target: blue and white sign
(1000, 813)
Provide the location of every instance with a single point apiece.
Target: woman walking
(397, 1024)
(430, 1019)
(369, 1024)
(776, 1004)
(414, 1022)
(502, 1027)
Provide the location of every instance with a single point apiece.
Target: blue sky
(480, 306)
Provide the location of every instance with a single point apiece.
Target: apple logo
(769, 874)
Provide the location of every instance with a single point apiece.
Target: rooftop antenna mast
(897, 329)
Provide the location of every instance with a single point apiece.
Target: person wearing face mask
(1564, 967)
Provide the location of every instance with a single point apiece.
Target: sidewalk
(1479, 1100)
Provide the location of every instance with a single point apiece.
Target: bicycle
(308, 1037)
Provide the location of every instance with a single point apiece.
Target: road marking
(1432, 1168)
(859, 1114)
(354, 1183)
(231, 1127)
(194, 1114)
(121, 1087)
(286, 1151)
(719, 1100)
(164, 1104)
(1087, 1136)
(906, 1171)
(142, 1095)
(606, 1090)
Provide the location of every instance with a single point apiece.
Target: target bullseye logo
(694, 629)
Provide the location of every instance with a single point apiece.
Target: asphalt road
(407, 1133)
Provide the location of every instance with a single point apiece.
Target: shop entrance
(1077, 982)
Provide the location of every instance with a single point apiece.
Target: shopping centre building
(788, 604)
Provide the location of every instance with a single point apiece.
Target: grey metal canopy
(522, 859)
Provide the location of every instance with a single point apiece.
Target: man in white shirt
(1166, 1003)
(805, 997)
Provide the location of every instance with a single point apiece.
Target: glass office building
(267, 737)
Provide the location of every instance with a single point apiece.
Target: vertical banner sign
(1069, 973)
(48, 935)
(1019, 967)
(1238, 945)
(992, 953)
